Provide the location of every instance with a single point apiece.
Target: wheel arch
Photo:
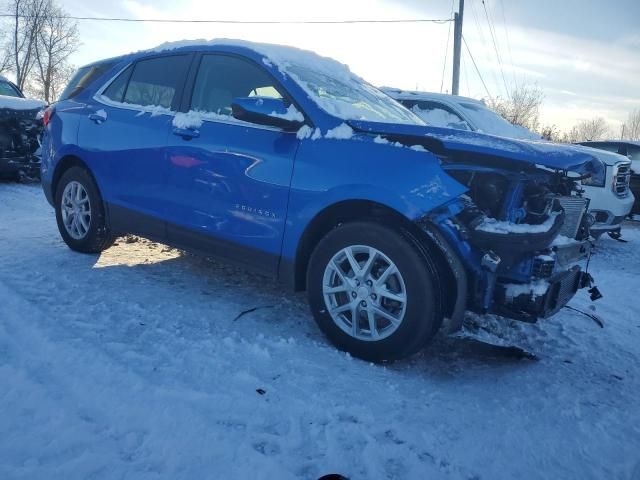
(64, 164)
(351, 210)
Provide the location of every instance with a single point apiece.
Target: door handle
(186, 133)
(94, 117)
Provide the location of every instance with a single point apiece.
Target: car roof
(399, 94)
(615, 142)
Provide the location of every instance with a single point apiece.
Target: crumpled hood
(443, 140)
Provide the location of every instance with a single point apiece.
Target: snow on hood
(539, 153)
(15, 103)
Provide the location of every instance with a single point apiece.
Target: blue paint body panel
(259, 187)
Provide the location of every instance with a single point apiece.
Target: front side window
(223, 78)
(156, 81)
(8, 90)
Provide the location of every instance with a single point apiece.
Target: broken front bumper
(539, 299)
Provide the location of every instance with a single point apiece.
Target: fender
(408, 181)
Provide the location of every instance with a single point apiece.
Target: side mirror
(267, 111)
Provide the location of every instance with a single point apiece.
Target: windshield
(490, 122)
(8, 90)
(351, 98)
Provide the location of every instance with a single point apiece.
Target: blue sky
(585, 55)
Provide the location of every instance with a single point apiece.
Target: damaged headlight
(593, 181)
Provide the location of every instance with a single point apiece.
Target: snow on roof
(329, 83)
(15, 103)
(280, 55)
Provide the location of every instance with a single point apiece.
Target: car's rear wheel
(373, 292)
(80, 212)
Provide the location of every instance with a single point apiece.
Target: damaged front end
(516, 240)
(521, 236)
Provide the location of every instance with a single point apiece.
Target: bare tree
(26, 21)
(522, 107)
(631, 128)
(586, 130)
(5, 57)
(56, 40)
(551, 133)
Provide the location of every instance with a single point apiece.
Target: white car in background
(609, 203)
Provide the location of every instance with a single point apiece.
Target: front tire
(373, 292)
(80, 212)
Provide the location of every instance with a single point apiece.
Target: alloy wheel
(364, 293)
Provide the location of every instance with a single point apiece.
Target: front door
(228, 181)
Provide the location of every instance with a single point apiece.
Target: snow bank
(15, 103)
(492, 225)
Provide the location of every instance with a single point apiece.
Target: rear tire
(80, 212)
(348, 278)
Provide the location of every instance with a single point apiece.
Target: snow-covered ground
(137, 364)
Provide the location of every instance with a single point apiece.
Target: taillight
(47, 115)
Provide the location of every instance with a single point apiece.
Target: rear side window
(156, 81)
(115, 91)
(222, 78)
(83, 78)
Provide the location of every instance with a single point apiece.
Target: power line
(241, 22)
(485, 47)
(476, 67)
(446, 50)
(495, 47)
(506, 32)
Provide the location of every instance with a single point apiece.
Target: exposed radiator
(574, 210)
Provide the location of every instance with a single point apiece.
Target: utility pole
(457, 46)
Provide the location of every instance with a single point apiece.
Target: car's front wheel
(373, 292)
(80, 212)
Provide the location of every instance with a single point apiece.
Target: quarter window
(156, 81)
(223, 78)
(115, 91)
(83, 78)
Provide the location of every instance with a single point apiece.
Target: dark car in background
(20, 129)
(631, 150)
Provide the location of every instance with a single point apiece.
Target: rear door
(228, 181)
(124, 132)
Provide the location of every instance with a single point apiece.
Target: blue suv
(287, 163)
